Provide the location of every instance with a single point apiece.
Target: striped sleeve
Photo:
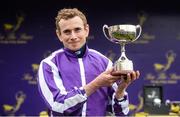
(120, 107)
(54, 93)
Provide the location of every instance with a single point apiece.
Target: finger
(115, 78)
(137, 74)
(128, 78)
(133, 76)
(109, 71)
(120, 76)
(121, 72)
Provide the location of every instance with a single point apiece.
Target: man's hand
(126, 78)
(105, 79)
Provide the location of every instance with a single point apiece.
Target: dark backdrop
(27, 35)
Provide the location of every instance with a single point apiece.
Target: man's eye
(67, 31)
(77, 29)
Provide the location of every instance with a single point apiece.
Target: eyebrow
(68, 30)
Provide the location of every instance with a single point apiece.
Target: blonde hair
(68, 13)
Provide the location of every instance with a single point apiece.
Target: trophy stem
(123, 55)
(123, 63)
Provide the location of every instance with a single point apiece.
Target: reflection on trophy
(122, 34)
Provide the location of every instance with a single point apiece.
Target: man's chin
(74, 48)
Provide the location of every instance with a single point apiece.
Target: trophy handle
(140, 30)
(106, 32)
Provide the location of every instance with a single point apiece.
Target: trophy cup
(122, 34)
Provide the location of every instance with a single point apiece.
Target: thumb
(109, 70)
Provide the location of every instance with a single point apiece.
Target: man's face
(73, 33)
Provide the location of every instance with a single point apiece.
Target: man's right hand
(105, 79)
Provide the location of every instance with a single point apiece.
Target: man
(76, 80)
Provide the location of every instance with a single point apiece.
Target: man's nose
(73, 35)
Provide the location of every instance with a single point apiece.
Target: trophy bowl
(124, 33)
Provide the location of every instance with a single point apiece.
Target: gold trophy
(122, 34)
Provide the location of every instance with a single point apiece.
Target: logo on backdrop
(11, 34)
(138, 107)
(162, 75)
(31, 76)
(11, 109)
(145, 37)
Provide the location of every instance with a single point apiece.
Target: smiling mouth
(74, 42)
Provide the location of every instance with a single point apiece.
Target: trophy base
(123, 65)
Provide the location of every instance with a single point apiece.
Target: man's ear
(58, 34)
(87, 30)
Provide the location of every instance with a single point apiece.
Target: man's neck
(80, 53)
